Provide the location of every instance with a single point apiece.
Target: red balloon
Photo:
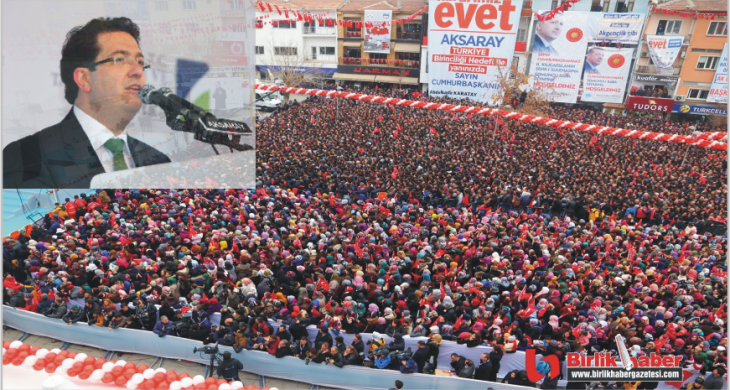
(78, 366)
(163, 385)
(51, 368)
(142, 367)
(23, 355)
(210, 380)
(39, 365)
(159, 377)
(201, 386)
(116, 371)
(183, 375)
(71, 372)
(17, 361)
(11, 353)
(98, 363)
(84, 376)
(130, 365)
(213, 387)
(88, 360)
(24, 347)
(6, 360)
(121, 381)
(34, 349)
(89, 369)
(221, 381)
(108, 378)
(50, 356)
(62, 353)
(129, 373)
(59, 359)
(71, 355)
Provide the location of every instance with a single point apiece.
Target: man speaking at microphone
(102, 69)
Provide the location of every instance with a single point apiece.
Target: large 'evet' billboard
(470, 43)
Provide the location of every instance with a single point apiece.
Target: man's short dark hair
(398, 384)
(82, 46)
(594, 48)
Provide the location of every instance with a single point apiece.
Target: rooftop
(409, 6)
(696, 5)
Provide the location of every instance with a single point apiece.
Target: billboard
(615, 27)
(605, 74)
(558, 51)
(131, 144)
(698, 110)
(664, 50)
(640, 103)
(377, 31)
(718, 90)
(469, 44)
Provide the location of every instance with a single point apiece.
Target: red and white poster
(377, 31)
(640, 103)
(605, 74)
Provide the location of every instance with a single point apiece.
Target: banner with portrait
(470, 44)
(664, 50)
(606, 72)
(378, 31)
(558, 51)
(718, 90)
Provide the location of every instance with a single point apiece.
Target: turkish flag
(380, 117)
(433, 131)
(376, 130)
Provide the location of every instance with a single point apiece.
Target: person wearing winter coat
(382, 361)
(398, 344)
(300, 348)
(408, 366)
(485, 368)
(351, 357)
(73, 316)
(57, 309)
(283, 349)
(468, 370)
(336, 357)
(163, 327)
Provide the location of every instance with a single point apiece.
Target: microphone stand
(209, 129)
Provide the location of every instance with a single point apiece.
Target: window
(596, 6)
(710, 51)
(160, 5)
(259, 50)
(259, 24)
(621, 7)
(352, 53)
(235, 4)
(717, 28)
(285, 51)
(314, 53)
(554, 4)
(630, 6)
(328, 51)
(697, 93)
(521, 35)
(666, 27)
(285, 24)
(707, 62)
(696, 84)
(378, 56)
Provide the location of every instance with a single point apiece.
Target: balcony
(651, 69)
(353, 34)
(410, 64)
(415, 36)
(316, 30)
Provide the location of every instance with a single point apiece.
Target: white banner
(718, 90)
(605, 74)
(615, 27)
(469, 42)
(558, 50)
(377, 31)
(664, 50)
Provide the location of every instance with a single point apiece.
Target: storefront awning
(397, 80)
(354, 77)
(401, 47)
(351, 44)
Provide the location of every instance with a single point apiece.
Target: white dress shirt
(98, 134)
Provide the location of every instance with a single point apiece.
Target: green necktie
(116, 146)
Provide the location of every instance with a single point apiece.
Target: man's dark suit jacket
(539, 46)
(61, 156)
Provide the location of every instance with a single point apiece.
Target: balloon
(121, 381)
(164, 385)
(221, 381)
(210, 380)
(176, 385)
(39, 365)
(88, 369)
(159, 377)
(97, 375)
(171, 376)
(56, 351)
(89, 359)
(184, 375)
(132, 385)
(198, 379)
(67, 363)
(213, 387)
(80, 357)
(50, 356)
(83, 376)
(236, 385)
(99, 363)
(142, 367)
(59, 359)
(186, 382)
(63, 353)
(129, 373)
(61, 371)
(30, 361)
(107, 378)
(148, 374)
(24, 347)
(117, 370)
(18, 361)
(72, 372)
(71, 355)
(15, 344)
(78, 366)
(120, 363)
(137, 378)
(224, 386)
(41, 354)
(51, 368)
(162, 370)
(130, 365)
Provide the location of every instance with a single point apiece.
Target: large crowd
(406, 222)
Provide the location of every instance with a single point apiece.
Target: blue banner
(698, 110)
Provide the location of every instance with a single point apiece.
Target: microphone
(168, 101)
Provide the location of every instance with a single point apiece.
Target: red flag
(524, 295)
(440, 253)
(443, 291)
(457, 324)
(433, 131)
(395, 173)
(332, 200)
(380, 117)
(633, 307)
(465, 200)
(552, 144)
(395, 134)
(313, 122)
(376, 131)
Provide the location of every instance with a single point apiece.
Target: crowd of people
(405, 222)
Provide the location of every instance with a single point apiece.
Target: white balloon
(187, 382)
(107, 367)
(236, 385)
(162, 370)
(176, 385)
(148, 373)
(79, 358)
(131, 385)
(198, 379)
(61, 371)
(16, 344)
(4, 351)
(56, 351)
(67, 363)
(41, 353)
(30, 361)
(120, 363)
(224, 386)
(97, 374)
(137, 378)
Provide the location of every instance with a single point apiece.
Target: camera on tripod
(208, 349)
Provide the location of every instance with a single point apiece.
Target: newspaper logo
(533, 374)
